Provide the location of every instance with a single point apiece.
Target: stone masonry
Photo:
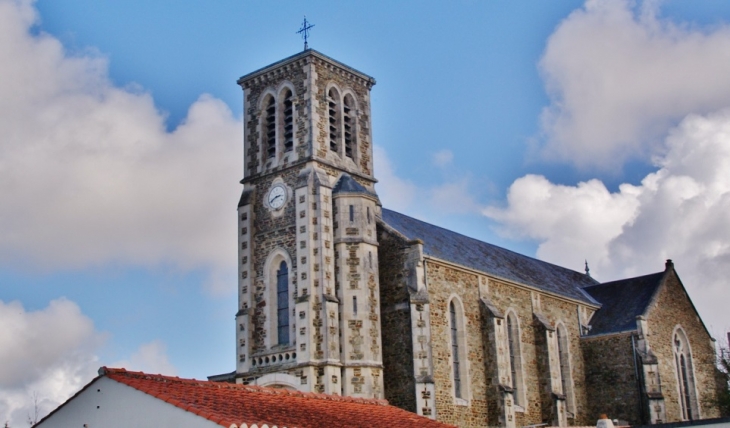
(339, 295)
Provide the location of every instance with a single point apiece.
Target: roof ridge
(617, 281)
(483, 242)
(122, 372)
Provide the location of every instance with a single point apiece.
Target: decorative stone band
(274, 359)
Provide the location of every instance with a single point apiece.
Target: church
(339, 295)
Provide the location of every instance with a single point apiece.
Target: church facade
(339, 295)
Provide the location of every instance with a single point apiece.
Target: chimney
(669, 264)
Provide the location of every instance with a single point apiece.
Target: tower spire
(588, 271)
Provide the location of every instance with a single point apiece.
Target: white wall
(109, 404)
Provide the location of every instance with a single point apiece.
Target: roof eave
(592, 304)
(609, 333)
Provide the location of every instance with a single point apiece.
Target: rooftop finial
(304, 31)
(588, 271)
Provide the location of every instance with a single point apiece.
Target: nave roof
(456, 248)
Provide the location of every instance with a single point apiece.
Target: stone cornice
(510, 282)
(308, 56)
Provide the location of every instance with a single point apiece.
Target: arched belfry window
(685, 376)
(269, 128)
(565, 372)
(282, 303)
(349, 116)
(288, 119)
(515, 357)
(333, 110)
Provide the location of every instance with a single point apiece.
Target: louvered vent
(333, 116)
(271, 128)
(349, 125)
(288, 121)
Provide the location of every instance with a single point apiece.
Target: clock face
(277, 196)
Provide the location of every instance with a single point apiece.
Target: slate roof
(229, 404)
(500, 262)
(622, 302)
(347, 184)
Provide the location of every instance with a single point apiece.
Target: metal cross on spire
(304, 31)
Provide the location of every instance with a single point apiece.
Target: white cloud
(149, 358)
(451, 196)
(681, 212)
(394, 192)
(49, 353)
(88, 173)
(443, 158)
(619, 79)
(585, 217)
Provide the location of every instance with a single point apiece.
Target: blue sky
(562, 130)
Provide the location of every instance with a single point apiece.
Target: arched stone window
(279, 381)
(282, 303)
(333, 117)
(288, 119)
(566, 377)
(685, 376)
(279, 319)
(515, 357)
(269, 126)
(349, 117)
(457, 342)
(455, 351)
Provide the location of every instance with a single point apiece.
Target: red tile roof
(238, 405)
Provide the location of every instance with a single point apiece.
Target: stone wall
(555, 311)
(255, 159)
(271, 232)
(325, 75)
(670, 308)
(400, 388)
(507, 297)
(610, 374)
(445, 281)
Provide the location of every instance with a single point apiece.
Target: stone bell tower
(309, 314)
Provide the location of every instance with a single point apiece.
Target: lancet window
(455, 361)
(515, 358)
(685, 376)
(282, 303)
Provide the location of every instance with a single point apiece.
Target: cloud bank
(452, 194)
(624, 84)
(619, 78)
(90, 175)
(47, 355)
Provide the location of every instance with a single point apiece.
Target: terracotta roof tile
(232, 404)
